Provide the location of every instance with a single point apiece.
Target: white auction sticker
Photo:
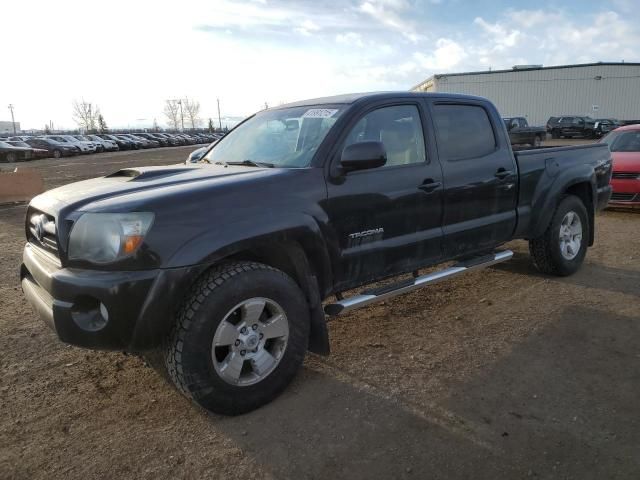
(319, 113)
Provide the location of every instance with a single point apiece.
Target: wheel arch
(582, 186)
(298, 251)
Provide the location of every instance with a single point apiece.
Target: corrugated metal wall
(539, 94)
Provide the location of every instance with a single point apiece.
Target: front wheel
(561, 249)
(12, 157)
(239, 339)
(57, 153)
(537, 142)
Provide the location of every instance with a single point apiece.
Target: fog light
(89, 314)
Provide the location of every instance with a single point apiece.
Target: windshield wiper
(252, 163)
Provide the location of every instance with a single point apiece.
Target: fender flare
(563, 182)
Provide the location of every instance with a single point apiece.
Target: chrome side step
(368, 297)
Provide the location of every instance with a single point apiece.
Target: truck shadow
(325, 428)
(565, 400)
(591, 275)
(546, 410)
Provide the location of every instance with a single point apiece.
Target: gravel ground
(504, 373)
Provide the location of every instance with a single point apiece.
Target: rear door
(479, 175)
(386, 220)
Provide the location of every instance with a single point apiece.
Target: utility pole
(219, 119)
(13, 122)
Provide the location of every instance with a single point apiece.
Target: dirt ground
(504, 373)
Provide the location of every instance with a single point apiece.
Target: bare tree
(85, 114)
(210, 126)
(192, 111)
(172, 112)
(102, 125)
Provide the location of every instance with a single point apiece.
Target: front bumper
(139, 305)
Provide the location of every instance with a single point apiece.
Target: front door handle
(429, 185)
(503, 173)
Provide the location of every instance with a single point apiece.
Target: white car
(84, 147)
(83, 139)
(107, 145)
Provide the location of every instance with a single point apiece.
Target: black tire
(555, 134)
(12, 157)
(57, 153)
(188, 350)
(537, 142)
(545, 250)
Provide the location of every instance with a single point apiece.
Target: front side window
(399, 128)
(463, 131)
(287, 137)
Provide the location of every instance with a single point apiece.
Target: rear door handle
(502, 173)
(429, 185)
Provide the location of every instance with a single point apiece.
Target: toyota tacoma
(231, 266)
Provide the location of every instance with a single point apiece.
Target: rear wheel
(57, 153)
(537, 141)
(239, 339)
(561, 249)
(555, 134)
(12, 157)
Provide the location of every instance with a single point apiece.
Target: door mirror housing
(363, 155)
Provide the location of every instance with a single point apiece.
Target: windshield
(283, 138)
(628, 141)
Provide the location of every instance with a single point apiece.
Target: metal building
(599, 90)
(7, 127)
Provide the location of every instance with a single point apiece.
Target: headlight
(107, 237)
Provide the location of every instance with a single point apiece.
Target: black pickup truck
(224, 265)
(520, 133)
(571, 126)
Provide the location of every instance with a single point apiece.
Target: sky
(128, 57)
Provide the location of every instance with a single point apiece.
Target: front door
(386, 220)
(479, 179)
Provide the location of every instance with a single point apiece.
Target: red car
(624, 143)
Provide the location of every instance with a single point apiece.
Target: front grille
(622, 197)
(42, 231)
(626, 175)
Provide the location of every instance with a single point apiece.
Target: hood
(626, 161)
(153, 181)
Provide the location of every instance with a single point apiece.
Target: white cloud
(390, 14)
(307, 27)
(448, 54)
(503, 37)
(350, 38)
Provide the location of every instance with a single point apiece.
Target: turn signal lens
(132, 243)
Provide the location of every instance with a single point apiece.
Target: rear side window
(463, 131)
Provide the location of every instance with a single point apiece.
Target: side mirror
(196, 155)
(363, 155)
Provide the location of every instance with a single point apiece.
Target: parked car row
(28, 147)
(580, 126)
